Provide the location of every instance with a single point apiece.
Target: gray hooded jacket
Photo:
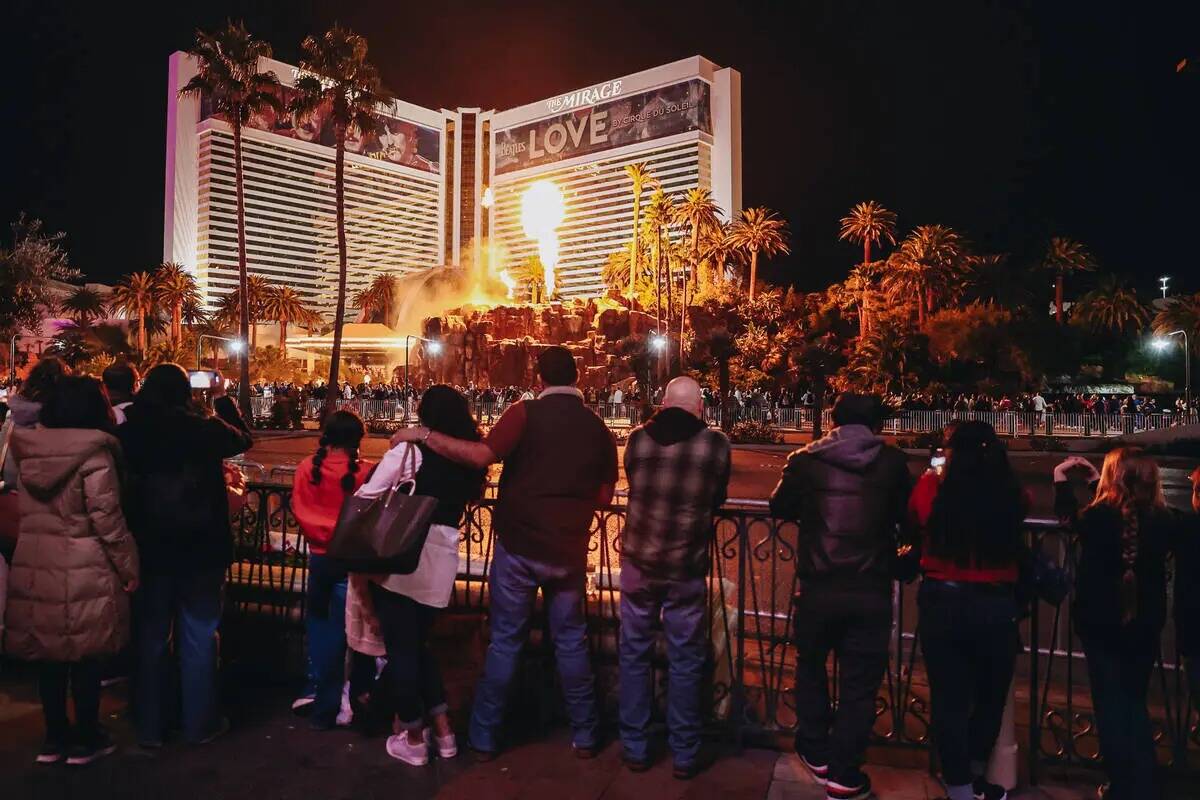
(849, 493)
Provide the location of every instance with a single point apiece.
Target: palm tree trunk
(753, 271)
(864, 311)
(243, 304)
(658, 278)
(683, 301)
(142, 333)
(339, 318)
(634, 251)
(177, 324)
(1058, 298)
(694, 277)
(283, 323)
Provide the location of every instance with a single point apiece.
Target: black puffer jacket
(175, 502)
(849, 493)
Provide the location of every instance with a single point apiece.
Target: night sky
(1012, 121)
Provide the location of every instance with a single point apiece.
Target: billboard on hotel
(398, 141)
(622, 120)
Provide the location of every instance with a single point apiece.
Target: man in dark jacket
(560, 465)
(678, 472)
(848, 492)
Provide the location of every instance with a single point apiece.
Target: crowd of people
(124, 535)
(1036, 402)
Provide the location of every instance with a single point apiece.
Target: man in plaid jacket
(678, 472)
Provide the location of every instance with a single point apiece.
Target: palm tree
(257, 290)
(174, 287)
(135, 297)
(759, 230)
(639, 176)
(284, 306)
(1063, 257)
(531, 274)
(860, 285)
(868, 224)
(83, 305)
(228, 75)
(717, 251)
(1182, 312)
(1111, 306)
(927, 266)
(378, 297)
(700, 213)
(343, 80)
(660, 213)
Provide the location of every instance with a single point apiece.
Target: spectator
(1187, 591)
(120, 379)
(971, 517)
(678, 472)
(178, 510)
(848, 492)
(319, 488)
(1121, 606)
(75, 564)
(560, 466)
(406, 605)
(25, 406)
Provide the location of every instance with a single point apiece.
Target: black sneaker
(988, 791)
(52, 752)
(819, 769)
(854, 785)
(83, 754)
(635, 764)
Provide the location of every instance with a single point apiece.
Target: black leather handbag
(385, 534)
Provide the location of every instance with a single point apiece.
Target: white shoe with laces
(447, 746)
(399, 748)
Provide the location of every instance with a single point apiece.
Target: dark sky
(1011, 121)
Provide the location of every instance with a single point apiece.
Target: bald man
(678, 471)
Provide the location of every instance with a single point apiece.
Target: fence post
(1049, 423)
(738, 677)
(1035, 712)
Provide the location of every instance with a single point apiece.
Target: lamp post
(1161, 343)
(434, 347)
(235, 345)
(12, 359)
(658, 343)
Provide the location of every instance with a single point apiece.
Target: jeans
(680, 604)
(185, 608)
(411, 685)
(854, 621)
(325, 622)
(1119, 669)
(513, 585)
(969, 638)
(84, 679)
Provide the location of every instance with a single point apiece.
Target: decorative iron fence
(751, 585)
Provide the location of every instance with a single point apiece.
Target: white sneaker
(447, 746)
(345, 715)
(399, 748)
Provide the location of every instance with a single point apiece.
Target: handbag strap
(5, 437)
(409, 457)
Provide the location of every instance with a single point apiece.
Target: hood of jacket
(48, 457)
(850, 447)
(24, 411)
(673, 425)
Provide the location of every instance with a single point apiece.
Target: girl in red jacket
(323, 481)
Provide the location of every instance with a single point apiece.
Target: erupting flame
(509, 282)
(542, 211)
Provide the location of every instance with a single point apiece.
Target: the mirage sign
(622, 120)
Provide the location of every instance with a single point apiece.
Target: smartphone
(938, 461)
(202, 378)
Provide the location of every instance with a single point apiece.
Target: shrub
(751, 432)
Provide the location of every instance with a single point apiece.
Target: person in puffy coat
(75, 564)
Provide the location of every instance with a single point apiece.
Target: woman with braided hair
(1120, 605)
(322, 483)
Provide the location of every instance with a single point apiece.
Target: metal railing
(752, 581)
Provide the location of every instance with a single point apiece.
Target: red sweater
(316, 505)
(920, 506)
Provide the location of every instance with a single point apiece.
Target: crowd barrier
(752, 656)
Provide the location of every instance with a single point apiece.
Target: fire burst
(542, 211)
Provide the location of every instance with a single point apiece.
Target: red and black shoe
(854, 785)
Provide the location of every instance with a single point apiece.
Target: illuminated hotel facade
(415, 191)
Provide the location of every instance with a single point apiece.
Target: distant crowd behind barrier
(287, 406)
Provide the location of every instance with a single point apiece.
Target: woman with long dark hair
(320, 487)
(406, 605)
(1120, 606)
(178, 510)
(972, 545)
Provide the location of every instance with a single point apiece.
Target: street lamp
(658, 343)
(1161, 343)
(1162, 284)
(235, 345)
(432, 346)
(12, 359)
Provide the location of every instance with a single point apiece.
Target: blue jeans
(681, 607)
(325, 623)
(190, 603)
(513, 586)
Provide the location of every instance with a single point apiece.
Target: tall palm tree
(1111, 306)
(700, 213)
(759, 231)
(532, 274)
(378, 297)
(135, 297)
(1065, 257)
(660, 213)
(228, 74)
(928, 266)
(1182, 312)
(257, 291)
(83, 305)
(342, 79)
(174, 287)
(639, 176)
(717, 251)
(868, 224)
(860, 285)
(284, 306)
